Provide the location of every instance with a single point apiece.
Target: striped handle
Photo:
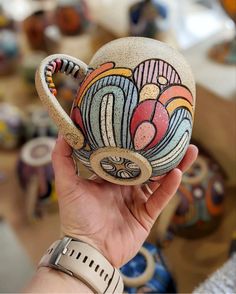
(47, 93)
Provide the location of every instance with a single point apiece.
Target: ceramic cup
(147, 272)
(72, 16)
(132, 118)
(148, 18)
(36, 176)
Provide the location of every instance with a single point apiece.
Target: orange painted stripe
(114, 71)
(175, 91)
(93, 74)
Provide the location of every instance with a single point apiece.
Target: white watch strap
(83, 261)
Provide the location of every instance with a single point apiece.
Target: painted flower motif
(146, 110)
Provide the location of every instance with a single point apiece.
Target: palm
(115, 219)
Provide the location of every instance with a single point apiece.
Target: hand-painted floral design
(146, 110)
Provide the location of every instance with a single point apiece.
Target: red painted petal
(77, 118)
(148, 113)
(143, 112)
(144, 135)
(161, 122)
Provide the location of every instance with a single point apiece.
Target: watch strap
(84, 262)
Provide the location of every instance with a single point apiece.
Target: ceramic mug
(36, 176)
(72, 16)
(147, 272)
(132, 118)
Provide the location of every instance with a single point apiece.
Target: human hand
(114, 219)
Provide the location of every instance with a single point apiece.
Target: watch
(84, 262)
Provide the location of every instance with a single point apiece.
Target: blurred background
(195, 235)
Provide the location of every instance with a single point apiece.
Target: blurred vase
(72, 16)
(34, 27)
(201, 194)
(38, 123)
(5, 21)
(11, 126)
(29, 64)
(36, 175)
(230, 8)
(225, 51)
(40, 34)
(9, 52)
(147, 272)
(148, 18)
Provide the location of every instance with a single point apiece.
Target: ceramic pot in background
(36, 176)
(11, 126)
(225, 51)
(29, 65)
(9, 52)
(5, 21)
(72, 16)
(39, 123)
(132, 118)
(148, 18)
(147, 272)
(201, 195)
(40, 33)
(230, 8)
(34, 27)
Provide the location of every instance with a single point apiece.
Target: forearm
(47, 280)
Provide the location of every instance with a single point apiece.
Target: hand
(115, 219)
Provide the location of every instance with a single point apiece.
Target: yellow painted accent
(149, 91)
(49, 79)
(179, 102)
(51, 85)
(114, 71)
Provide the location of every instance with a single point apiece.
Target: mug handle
(46, 90)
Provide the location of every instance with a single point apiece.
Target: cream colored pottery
(132, 118)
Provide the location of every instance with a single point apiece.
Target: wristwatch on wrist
(84, 262)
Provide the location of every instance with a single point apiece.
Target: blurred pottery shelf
(215, 77)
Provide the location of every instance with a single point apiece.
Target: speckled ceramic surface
(132, 118)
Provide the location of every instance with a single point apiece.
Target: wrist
(81, 260)
(49, 280)
(100, 246)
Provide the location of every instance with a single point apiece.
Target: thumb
(159, 199)
(63, 164)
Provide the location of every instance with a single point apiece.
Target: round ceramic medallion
(120, 166)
